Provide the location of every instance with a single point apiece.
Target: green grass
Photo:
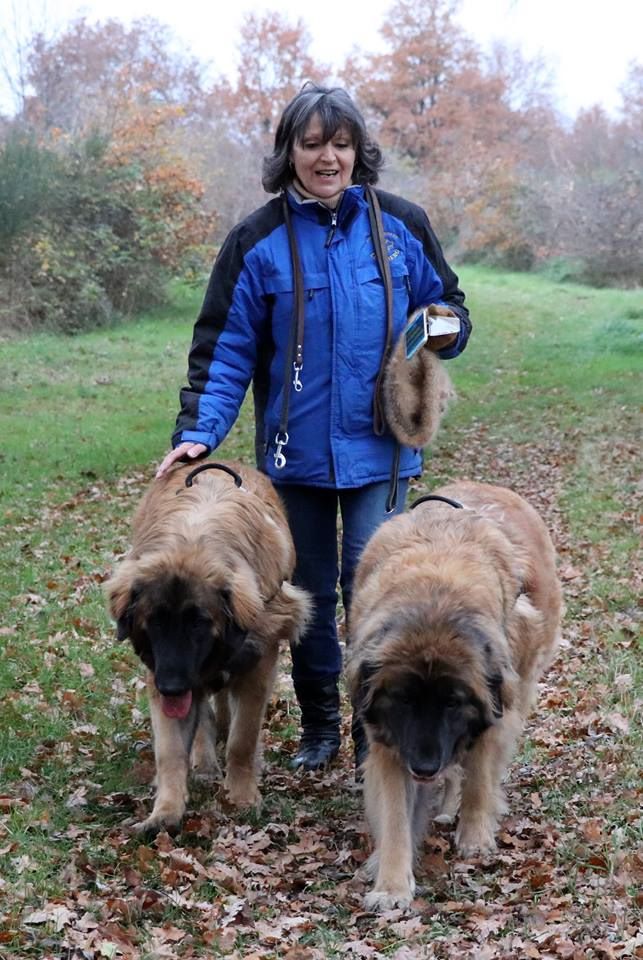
(549, 397)
(106, 398)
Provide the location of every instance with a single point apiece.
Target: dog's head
(432, 690)
(190, 629)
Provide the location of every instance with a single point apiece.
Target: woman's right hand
(187, 450)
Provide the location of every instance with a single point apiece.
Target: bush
(26, 174)
(92, 233)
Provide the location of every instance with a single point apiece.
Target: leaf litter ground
(564, 883)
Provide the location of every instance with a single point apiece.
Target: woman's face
(324, 169)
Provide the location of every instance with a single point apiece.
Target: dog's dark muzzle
(175, 695)
(425, 773)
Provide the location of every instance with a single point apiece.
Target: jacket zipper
(333, 227)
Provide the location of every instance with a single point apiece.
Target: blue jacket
(243, 330)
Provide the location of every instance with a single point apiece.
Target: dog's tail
(289, 612)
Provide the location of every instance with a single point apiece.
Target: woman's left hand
(439, 343)
(184, 451)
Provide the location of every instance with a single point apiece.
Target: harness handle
(436, 496)
(189, 480)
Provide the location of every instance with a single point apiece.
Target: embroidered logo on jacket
(392, 248)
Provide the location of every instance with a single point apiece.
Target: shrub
(97, 231)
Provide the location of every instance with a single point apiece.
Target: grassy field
(549, 404)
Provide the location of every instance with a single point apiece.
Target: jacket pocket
(368, 341)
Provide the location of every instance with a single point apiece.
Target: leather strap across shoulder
(294, 359)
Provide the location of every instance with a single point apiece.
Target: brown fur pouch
(416, 392)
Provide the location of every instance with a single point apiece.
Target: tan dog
(455, 615)
(205, 599)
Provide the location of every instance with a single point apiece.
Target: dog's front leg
(205, 763)
(483, 800)
(387, 798)
(249, 694)
(449, 804)
(172, 743)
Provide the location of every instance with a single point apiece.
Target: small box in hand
(425, 325)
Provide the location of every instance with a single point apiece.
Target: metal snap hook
(297, 384)
(281, 440)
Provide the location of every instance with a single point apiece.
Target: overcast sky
(588, 44)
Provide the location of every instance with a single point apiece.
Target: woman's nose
(328, 151)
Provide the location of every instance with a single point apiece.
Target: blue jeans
(312, 515)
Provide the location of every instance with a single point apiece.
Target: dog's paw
(379, 901)
(391, 892)
(156, 823)
(167, 815)
(242, 793)
(474, 838)
(449, 804)
(204, 763)
(207, 772)
(444, 818)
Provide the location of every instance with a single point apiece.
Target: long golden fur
(417, 392)
(455, 615)
(204, 596)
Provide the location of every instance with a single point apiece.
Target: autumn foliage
(109, 208)
(131, 159)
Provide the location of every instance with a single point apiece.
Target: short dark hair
(335, 109)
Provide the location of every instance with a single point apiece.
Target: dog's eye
(195, 618)
(403, 697)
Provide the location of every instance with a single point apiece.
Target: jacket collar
(352, 199)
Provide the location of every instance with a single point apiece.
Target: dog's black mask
(186, 646)
(427, 720)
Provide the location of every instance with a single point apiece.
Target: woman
(296, 303)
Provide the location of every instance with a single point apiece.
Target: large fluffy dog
(205, 599)
(455, 615)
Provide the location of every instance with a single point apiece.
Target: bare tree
(24, 19)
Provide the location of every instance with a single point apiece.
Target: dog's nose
(171, 687)
(425, 770)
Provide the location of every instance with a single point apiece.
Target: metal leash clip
(280, 459)
(297, 384)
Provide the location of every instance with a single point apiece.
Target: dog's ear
(122, 596)
(125, 622)
(242, 599)
(362, 690)
(494, 684)
(287, 614)
(245, 652)
(124, 625)
(501, 682)
(234, 634)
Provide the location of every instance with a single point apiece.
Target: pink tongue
(178, 707)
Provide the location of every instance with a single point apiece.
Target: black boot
(320, 719)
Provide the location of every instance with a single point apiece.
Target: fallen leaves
(564, 882)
